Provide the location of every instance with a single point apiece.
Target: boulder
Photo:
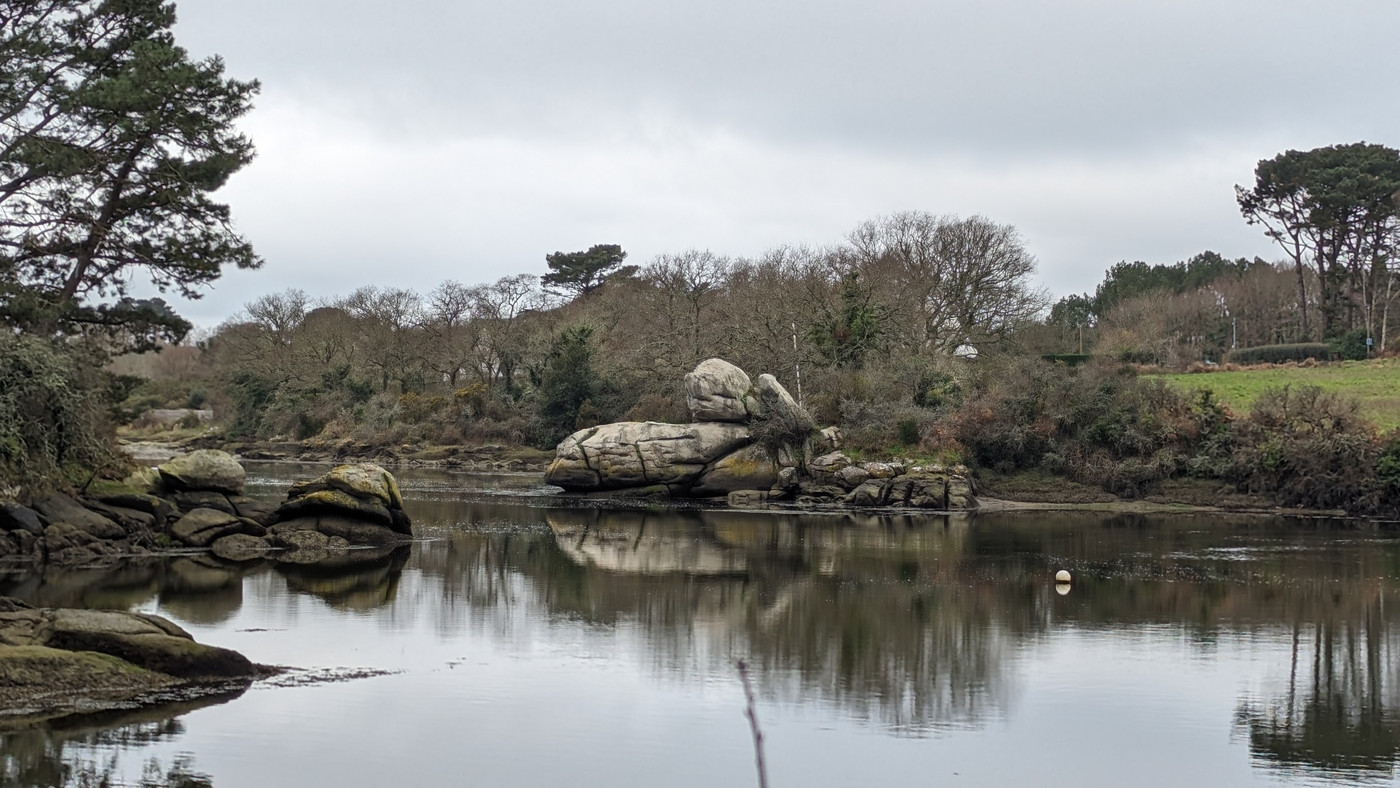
(161, 509)
(332, 501)
(716, 391)
(291, 537)
(14, 517)
(203, 499)
(639, 454)
(353, 531)
(252, 509)
(148, 642)
(133, 521)
(59, 508)
(201, 527)
(772, 401)
(205, 469)
(358, 502)
(240, 547)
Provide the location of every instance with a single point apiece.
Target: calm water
(527, 644)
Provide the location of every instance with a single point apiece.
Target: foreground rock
(54, 657)
(359, 504)
(751, 441)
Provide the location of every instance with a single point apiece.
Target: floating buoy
(1062, 576)
(1062, 589)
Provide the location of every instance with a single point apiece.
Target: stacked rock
(750, 441)
(207, 485)
(713, 455)
(357, 504)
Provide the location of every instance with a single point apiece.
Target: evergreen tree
(111, 142)
(580, 273)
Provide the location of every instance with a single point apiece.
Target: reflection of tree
(876, 614)
(1341, 706)
(83, 750)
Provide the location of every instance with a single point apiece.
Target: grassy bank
(1375, 384)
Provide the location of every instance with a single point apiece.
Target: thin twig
(753, 725)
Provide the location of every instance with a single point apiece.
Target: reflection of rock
(353, 579)
(637, 542)
(200, 590)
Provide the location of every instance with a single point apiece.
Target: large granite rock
(205, 469)
(747, 436)
(640, 454)
(716, 391)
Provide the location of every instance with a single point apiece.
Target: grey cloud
(1003, 78)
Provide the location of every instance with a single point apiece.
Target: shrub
(1278, 354)
(53, 414)
(1351, 346)
(1307, 448)
(908, 432)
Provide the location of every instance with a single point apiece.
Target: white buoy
(1062, 589)
(1062, 576)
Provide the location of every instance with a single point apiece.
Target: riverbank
(146, 448)
(1020, 491)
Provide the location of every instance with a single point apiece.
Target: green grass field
(1376, 384)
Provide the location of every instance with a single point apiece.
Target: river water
(521, 643)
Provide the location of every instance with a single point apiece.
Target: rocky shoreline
(195, 502)
(56, 661)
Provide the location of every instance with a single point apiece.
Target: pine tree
(111, 142)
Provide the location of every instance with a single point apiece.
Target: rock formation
(49, 657)
(748, 439)
(356, 504)
(197, 501)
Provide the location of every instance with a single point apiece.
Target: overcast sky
(402, 144)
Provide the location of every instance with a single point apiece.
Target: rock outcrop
(358, 504)
(52, 658)
(746, 435)
(197, 501)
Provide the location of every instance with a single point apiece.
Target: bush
(1307, 448)
(1278, 354)
(53, 414)
(1351, 346)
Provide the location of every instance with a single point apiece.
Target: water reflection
(915, 623)
(88, 749)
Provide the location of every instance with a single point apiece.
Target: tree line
(596, 340)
